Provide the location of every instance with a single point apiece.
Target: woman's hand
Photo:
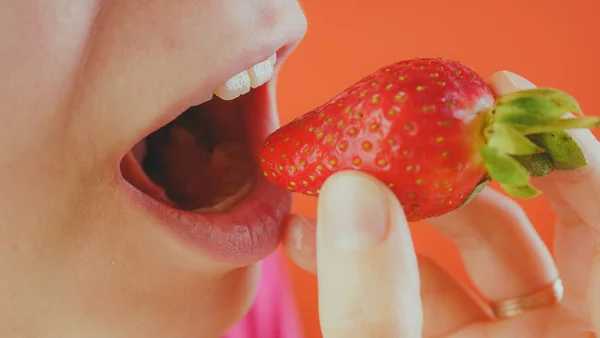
(373, 284)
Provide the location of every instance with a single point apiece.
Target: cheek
(43, 45)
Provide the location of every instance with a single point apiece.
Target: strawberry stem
(526, 136)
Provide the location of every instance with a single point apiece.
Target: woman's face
(98, 233)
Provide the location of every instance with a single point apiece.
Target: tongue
(134, 174)
(193, 175)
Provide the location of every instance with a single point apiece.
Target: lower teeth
(223, 203)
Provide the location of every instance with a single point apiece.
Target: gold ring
(546, 297)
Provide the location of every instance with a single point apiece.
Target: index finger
(574, 196)
(367, 268)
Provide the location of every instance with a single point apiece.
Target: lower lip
(242, 235)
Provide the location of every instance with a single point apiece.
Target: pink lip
(251, 229)
(243, 235)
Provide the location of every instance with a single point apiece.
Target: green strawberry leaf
(536, 164)
(528, 111)
(525, 191)
(534, 107)
(562, 150)
(476, 191)
(562, 124)
(503, 168)
(559, 97)
(510, 141)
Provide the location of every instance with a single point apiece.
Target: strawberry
(432, 130)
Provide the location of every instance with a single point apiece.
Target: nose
(262, 24)
(283, 16)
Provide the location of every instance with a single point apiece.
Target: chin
(196, 173)
(237, 294)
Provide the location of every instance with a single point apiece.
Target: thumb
(367, 268)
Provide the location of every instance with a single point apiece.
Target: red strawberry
(432, 131)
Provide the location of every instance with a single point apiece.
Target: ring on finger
(544, 298)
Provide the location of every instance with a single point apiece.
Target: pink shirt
(274, 313)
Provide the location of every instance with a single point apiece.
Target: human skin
(82, 80)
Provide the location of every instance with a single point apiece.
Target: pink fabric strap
(274, 313)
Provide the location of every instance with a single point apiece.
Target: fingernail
(509, 82)
(299, 227)
(298, 237)
(353, 211)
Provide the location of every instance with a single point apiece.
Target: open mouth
(201, 161)
(200, 170)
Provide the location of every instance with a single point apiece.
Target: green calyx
(526, 136)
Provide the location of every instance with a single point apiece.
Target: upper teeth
(241, 83)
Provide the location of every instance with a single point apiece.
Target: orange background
(551, 42)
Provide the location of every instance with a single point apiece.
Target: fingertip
(354, 212)
(349, 177)
(506, 82)
(358, 178)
